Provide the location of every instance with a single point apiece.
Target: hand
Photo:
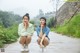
(42, 26)
(40, 35)
(25, 25)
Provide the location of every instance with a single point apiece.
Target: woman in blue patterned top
(42, 33)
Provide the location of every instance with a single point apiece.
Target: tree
(8, 19)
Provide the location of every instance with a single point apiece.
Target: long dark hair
(44, 19)
(27, 15)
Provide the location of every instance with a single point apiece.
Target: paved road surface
(58, 44)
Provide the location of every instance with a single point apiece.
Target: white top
(24, 32)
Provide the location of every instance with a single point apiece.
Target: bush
(8, 35)
(1, 43)
(52, 29)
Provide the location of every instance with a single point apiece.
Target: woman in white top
(25, 31)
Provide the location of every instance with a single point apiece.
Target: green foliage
(8, 31)
(32, 21)
(1, 43)
(8, 18)
(50, 22)
(72, 28)
(52, 29)
(11, 34)
(72, 0)
(8, 35)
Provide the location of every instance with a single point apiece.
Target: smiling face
(42, 22)
(25, 19)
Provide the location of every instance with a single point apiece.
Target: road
(58, 44)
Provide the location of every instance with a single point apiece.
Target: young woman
(25, 31)
(42, 32)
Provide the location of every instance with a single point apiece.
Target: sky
(32, 7)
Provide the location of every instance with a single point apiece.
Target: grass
(52, 29)
(72, 28)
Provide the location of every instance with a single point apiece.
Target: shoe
(43, 49)
(22, 48)
(26, 48)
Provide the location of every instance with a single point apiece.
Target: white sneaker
(42, 48)
(26, 48)
(22, 48)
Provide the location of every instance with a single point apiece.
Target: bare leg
(28, 40)
(39, 40)
(45, 41)
(22, 40)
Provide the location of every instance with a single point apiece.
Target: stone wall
(66, 11)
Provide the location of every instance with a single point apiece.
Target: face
(25, 19)
(42, 22)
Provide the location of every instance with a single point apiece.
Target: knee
(29, 37)
(22, 39)
(46, 41)
(38, 40)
